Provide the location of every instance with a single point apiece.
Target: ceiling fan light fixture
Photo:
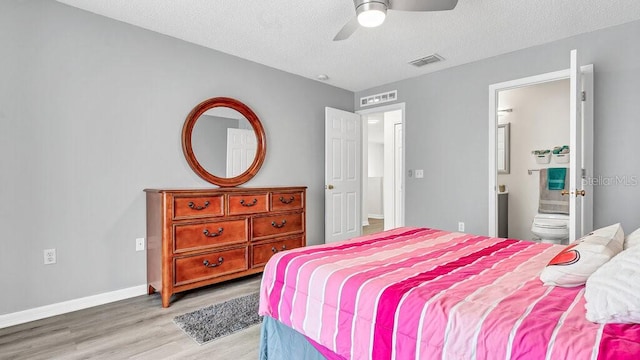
(371, 14)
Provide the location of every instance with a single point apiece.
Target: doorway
(382, 168)
(581, 141)
(534, 119)
(346, 160)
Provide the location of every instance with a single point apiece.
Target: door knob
(330, 187)
(578, 192)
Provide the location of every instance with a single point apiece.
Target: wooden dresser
(201, 237)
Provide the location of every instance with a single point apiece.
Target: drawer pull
(208, 234)
(274, 250)
(196, 207)
(278, 226)
(255, 201)
(287, 201)
(207, 264)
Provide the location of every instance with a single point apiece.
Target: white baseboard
(376, 216)
(64, 307)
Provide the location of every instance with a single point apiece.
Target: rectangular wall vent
(427, 60)
(379, 98)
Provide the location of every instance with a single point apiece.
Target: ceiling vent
(427, 60)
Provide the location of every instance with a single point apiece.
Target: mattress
(419, 293)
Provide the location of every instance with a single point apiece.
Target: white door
(587, 149)
(575, 154)
(342, 175)
(241, 149)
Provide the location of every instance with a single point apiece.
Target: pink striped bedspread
(416, 293)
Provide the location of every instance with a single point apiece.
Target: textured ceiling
(296, 35)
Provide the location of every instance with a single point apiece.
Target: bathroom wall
(540, 120)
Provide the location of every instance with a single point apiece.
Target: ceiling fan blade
(348, 29)
(422, 5)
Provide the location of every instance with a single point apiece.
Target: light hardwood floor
(375, 226)
(136, 328)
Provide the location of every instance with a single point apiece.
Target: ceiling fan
(371, 13)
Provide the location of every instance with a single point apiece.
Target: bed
(419, 293)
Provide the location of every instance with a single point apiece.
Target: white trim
(376, 216)
(575, 144)
(64, 307)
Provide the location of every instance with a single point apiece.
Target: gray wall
(91, 111)
(447, 128)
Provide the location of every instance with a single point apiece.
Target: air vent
(379, 98)
(427, 60)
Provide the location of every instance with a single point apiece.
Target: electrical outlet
(419, 174)
(49, 256)
(460, 226)
(140, 244)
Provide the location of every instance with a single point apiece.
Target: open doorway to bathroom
(580, 166)
(382, 168)
(535, 120)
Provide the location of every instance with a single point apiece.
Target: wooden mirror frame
(253, 119)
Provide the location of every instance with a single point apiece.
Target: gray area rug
(222, 319)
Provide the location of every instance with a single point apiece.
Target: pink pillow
(575, 263)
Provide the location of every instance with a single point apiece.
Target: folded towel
(552, 201)
(555, 178)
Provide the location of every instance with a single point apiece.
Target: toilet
(551, 228)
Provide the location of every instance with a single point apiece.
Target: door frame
(587, 72)
(390, 221)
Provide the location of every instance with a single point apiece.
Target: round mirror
(223, 141)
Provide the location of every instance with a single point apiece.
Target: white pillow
(575, 263)
(632, 239)
(612, 293)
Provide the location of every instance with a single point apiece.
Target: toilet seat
(551, 228)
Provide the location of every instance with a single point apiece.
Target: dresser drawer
(277, 225)
(198, 206)
(248, 204)
(214, 233)
(286, 201)
(212, 264)
(263, 252)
